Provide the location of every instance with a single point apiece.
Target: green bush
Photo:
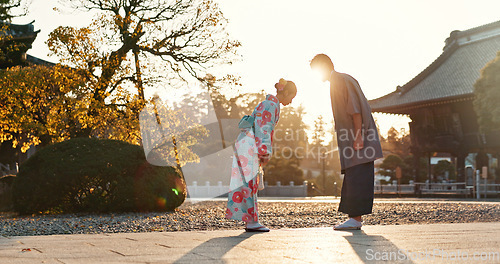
(6, 192)
(95, 175)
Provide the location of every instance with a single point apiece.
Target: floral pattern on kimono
(242, 199)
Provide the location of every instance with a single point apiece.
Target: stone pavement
(437, 243)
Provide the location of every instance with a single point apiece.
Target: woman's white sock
(253, 224)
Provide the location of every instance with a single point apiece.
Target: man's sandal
(350, 224)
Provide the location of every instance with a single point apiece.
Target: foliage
(6, 192)
(331, 185)
(443, 167)
(397, 142)
(291, 132)
(487, 91)
(389, 165)
(161, 125)
(289, 143)
(284, 167)
(333, 159)
(130, 44)
(40, 103)
(12, 8)
(391, 162)
(234, 107)
(408, 173)
(319, 131)
(92, 175)
(142, 42)
(134, 44)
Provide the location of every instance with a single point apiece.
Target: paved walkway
(438, 243)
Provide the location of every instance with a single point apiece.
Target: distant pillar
(461, 167)
(416, 167)
(429, 168)
(497, 169)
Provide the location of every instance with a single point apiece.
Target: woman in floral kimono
(253, 149)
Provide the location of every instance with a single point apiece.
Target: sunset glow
(381, 44)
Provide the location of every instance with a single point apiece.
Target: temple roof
(19, 31)
(14, 47)
(37, 61)
(451, 76)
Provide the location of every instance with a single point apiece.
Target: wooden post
(416, 167)
(399, 175)
(429, 170)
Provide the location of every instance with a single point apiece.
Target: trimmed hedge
(6, 192)
(95, 175)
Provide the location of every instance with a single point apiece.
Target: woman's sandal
(257, 229)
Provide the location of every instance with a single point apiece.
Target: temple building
(439, 100)
(16, 40)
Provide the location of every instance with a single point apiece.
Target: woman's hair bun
(281, 84)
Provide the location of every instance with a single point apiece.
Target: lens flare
(161, 202)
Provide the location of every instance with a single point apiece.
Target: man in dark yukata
(358, 142)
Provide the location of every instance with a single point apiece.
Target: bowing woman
(252, 150)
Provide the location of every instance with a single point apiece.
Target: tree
(138, 43)
(290, 139)
(334, 158)
(290, 132)
(309, 175)
(409, 166)
(285, 168)
(389, 165)
(12, 8)
(445, 170)
(397, 142)
(171, 135)
(234, 107)
(487, 91)
(40, 104)
(319, 132)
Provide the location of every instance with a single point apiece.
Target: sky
(381, 43)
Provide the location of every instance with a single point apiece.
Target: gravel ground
(209, 215)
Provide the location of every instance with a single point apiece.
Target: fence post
(194, 189)
(478, 196)
(304, 188)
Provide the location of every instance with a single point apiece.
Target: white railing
(278, 190)
(442, 186)
(207, 190)
(437, 188)
(390, 189)
(489, 189)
